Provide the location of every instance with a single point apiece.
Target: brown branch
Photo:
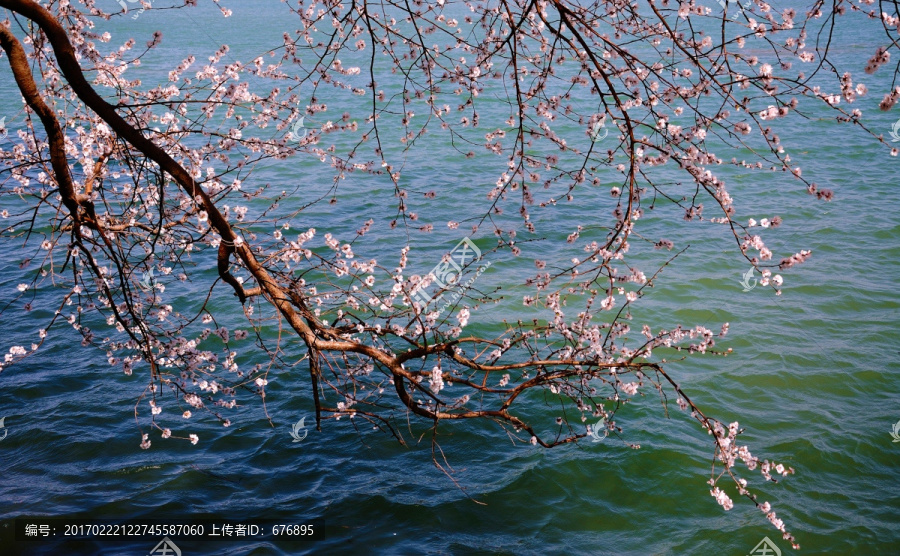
(222, 262)
(68, 64)
(314, 372)
(18, 62)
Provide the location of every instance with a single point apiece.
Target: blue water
(813, 377)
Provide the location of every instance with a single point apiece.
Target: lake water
(814, 377)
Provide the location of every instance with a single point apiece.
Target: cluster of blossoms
(882, 56)
(890, 99)
(795, 259)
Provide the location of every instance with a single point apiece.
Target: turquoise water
(813, 377)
